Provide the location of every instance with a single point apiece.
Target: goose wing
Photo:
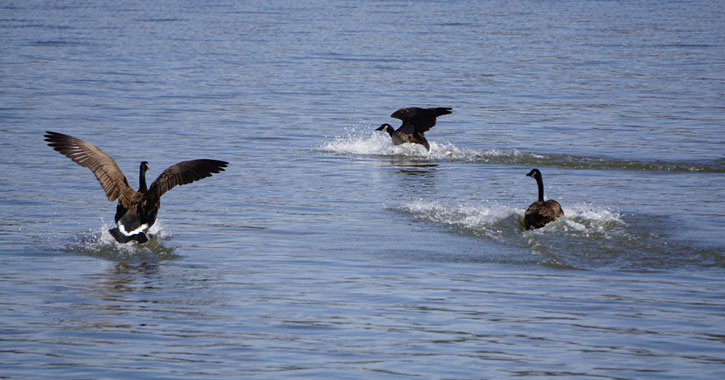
(552, 209)
(101, 165)
(541, 213)
(183, 173)
(419, 120)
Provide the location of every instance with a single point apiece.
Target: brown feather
(136, 210)
(415, 138)
(102, 166)
(541, 213)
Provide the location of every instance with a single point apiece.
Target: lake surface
(323, 251)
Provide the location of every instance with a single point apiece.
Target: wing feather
(541, 213)
(419, 120)
(101, 165)
(183, 173)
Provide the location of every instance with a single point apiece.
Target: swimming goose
(541, 212)
(416, 121)
(136, 210)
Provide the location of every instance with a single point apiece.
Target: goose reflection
(125, 277)
(416, 178)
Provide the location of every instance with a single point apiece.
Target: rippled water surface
(324, 251)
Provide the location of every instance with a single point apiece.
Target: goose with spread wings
(136, 210)
(416, 121)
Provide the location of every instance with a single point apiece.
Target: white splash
(498, 220)
(490, 220)
(377, 143)
(586, 220)
(591, 216)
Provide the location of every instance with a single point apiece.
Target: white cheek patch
(140, 229)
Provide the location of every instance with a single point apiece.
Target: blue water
(325, 252)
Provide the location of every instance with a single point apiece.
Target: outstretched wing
(183, 173)
(101, 165)
(419, 120)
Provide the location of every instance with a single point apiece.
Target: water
(325, 252)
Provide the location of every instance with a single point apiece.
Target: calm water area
(325, 252)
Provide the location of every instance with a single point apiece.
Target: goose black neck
(540, 184)
(142, 180)
(389, 128)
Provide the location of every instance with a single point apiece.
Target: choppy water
(324, 251)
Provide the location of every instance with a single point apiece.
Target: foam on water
(491, 221)
(588, 236)
(374, 144)
(501, 220)
(587, 219)
(367, 143)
